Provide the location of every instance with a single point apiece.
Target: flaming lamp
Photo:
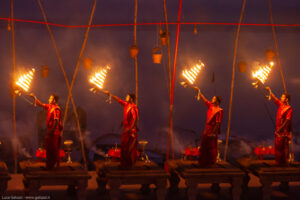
(261, 75)
(143, 155)
(68, 150)
(191, 74)
(99, 77)
(24, 81)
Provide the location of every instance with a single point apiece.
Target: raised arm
(273, 97)
(117, 99)
(37, 102)
(201, 96)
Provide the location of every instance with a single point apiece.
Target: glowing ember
(25, 80)
(262, 73)
(192, 74)
(99, 77)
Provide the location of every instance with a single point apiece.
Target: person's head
(285, 98)
(130, 97)
(53, 99)
(216, 100)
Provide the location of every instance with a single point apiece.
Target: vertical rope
(170, 76)
(13, 79)
(173, 79)
(135, 58)
(276, 45)
(67, 82)
(233, 77)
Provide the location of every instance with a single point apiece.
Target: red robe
(129, 138)
(209, 143)
(285, 112)
(52, 140)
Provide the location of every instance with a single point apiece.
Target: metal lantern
(87, 63)
(195, 30)
(242, 66)
(270, 55)
(157, 55)
(133, 50)
(164, 38)
(45, 71)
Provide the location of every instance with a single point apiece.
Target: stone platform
(4, 177)
(71, 174)
(193, 175)
(144, 173)
(268, 172)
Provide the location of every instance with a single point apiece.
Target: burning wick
(25, 80)
(261, 76)
(98, 80)
(192, 74)
(99, 77)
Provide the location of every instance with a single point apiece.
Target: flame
(99, 77)
(192, 74)
(262, 73)
(25, 80)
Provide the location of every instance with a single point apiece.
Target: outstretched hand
(268, 89)
(32, 95)
(106, 92)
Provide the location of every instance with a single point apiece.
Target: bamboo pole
(135, 58)
(276, 46)
(233, 77)
(14, 140)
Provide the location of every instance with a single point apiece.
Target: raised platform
(4, 177)
(143, 173)
(193, 175)
(71, 174)
(268, 172)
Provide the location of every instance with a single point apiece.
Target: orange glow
(99, 77)
(25, 80)
(262, 73)
(192, 74)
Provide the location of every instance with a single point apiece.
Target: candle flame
(192, 74)
(99, 77)
(263, 72)
(25, 80)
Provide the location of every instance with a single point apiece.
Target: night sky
(214, 45)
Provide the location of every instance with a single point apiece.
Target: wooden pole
(233, 77)
(14, 140)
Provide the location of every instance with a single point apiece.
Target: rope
(173, 79)
(150, 23)
(170, 133)
(14, 96)
(276, 45)
(233, 78)
(135, 58)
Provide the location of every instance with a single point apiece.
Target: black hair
(288, 96)
(132, 96)
(219, 99)
(55, 97)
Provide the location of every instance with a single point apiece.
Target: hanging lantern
(242, 66)
(195, 30)
(157, 55)
(87, 63)
(270, 55)
(9, 26)
(133, 50)
(45, 71)
(164, 38)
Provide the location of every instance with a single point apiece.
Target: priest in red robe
(283, 130)
(209, 141)
(54, 128)
(129, 134)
